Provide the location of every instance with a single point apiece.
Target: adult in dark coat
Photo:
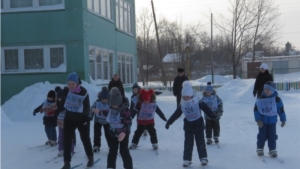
(177, 84)
(116, 82)
(262, 77)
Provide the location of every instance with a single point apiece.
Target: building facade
(44, 40)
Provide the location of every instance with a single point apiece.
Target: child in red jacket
(146, 109)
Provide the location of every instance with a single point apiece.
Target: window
(123, 16)
(100, 7)
(101, 63)
(30, 5)
(125, 67)
(33, 59)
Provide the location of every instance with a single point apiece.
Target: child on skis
(266, 108)
(60, 122)
(146, 108)
(193, 124)
(119, 119)
(215, 104)
(135, 91)
(48, 107)
(99, 110)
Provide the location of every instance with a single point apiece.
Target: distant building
(44, 40)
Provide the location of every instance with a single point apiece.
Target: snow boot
(145, 133)
(204, 161)
(209, 141)
(186, 163)
(132, 146)
(67, 165)
(273, 153)
(260, 152)
(60, 153)
(216, 140)
(155, 146)
(96, 149)
(53, 143)
(48, 142)
(90, 162)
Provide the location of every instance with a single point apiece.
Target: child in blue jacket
(266, 108)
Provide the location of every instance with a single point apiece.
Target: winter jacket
(137, 110)
(195, 125)
(101, 117)
(123, 117)
(260, 81)
(49, 118)
(177, 84)
(118, 84)
(219, 110)
(270, 119)
(79, 117)
(133, 103)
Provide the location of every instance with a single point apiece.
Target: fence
(280, 86)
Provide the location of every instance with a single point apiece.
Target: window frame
(21, 59)
(126, 27)
(127, 63)
(35, 7)
(110, 18)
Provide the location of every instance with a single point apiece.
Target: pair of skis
(78, 165)
(280, 160)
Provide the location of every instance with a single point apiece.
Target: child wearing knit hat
(216, 105)
(119, 119)
(266, 109)
(191, 107)
(146, 109)
(48, 107)
(99, 112)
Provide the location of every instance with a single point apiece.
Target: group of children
(112, 112)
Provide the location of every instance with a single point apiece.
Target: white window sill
(29, 9)
(127, 33)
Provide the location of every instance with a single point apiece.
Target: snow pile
(4, 119)
(218, 79)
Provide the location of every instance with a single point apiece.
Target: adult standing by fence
(177, 84)
(262, 77)
(116, 82)
(75, 100)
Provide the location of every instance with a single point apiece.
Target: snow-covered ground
(22, 131)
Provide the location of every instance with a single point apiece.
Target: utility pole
(187, 48)
(211, 51)
(163, 78)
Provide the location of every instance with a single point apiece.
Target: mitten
(121, 136)
(167, 126)
(254, 94)
(34, 114)
(282, 123)
(260, 123)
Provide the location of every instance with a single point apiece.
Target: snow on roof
(172, 57)
(273, 57)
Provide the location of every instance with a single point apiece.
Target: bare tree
(265, 23)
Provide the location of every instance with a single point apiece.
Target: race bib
(74, 103)
(134, 100)
(147, 111)
(47, 107)
(114, 120)
(191, 109)
(267, 106)
(61, 115)
(212, 102)
(101, 107)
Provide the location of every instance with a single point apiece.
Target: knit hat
(57, 88)
(73, 77)
(271, 86)
(187, 89)
(209, 88)
(146, 94)
(104, 94)
(51, 94)
(115, 98)
(180, 70)
(263, 66)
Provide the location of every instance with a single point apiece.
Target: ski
(40, 146)
(262, 158)
(217, 144)
(52, 159)
(185, 166)
(156, 152)
(76, 166)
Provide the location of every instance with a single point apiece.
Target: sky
(195, 11)
(21, 132)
